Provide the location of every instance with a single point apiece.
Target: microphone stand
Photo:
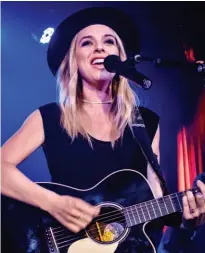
(158, 62)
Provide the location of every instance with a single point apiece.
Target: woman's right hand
(73, 213)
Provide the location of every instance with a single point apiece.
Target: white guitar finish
(89, 246)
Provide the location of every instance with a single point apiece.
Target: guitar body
(32, 230)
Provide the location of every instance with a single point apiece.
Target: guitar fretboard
(154, 208)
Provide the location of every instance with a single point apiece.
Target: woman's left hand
(194, 207)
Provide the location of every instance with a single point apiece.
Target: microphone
(127, 69)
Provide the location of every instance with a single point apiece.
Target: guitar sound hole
(108, 227)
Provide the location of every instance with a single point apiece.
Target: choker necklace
(97, 102)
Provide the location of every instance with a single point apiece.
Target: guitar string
(82, 236)
(66, 245)
(136, 205)
(120, 220)
(138, 222)
(146, 202)
(118, 217)
(75, 238)
(181, 193)
(67, 242)
(139, 205)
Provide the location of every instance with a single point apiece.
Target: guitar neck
(155, 208)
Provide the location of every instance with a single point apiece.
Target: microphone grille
(111, 63)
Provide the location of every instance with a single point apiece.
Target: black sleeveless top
(78, 165)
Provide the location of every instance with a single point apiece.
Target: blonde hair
(70, 94)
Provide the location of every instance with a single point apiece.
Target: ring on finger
(192, 210)
(81, 218)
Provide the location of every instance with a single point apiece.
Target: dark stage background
(165, 28)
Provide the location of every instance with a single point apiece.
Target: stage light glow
(47, 34)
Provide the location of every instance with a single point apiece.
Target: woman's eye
(86, 43)
(110, 41)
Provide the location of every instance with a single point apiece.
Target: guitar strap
(141, 135)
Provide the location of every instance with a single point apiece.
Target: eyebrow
(90, 37)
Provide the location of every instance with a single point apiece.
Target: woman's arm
(196, 203)
(151, 175)
(175, 219)
(73, 213)
(14, 183)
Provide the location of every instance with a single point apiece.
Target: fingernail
(200, 195)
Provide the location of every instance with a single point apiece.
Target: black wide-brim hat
(117, 20)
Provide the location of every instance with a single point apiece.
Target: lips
(98, 61)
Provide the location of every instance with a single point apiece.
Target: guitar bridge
(51, 243)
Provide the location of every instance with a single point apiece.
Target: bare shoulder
(26, 140)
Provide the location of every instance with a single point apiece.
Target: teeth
(98, 61)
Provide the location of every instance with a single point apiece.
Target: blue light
(47, 34)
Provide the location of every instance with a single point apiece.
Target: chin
(104, 76)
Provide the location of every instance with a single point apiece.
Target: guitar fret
(143, 212)
(137, 213)
(151, 211)
(140, 212)
(148, 211)
(134, 217)
(128, 217)
(165, 205)
(159, 206)
(171, 203)
(168, 203)
(162, 206)
(153, 208)
(178, 201)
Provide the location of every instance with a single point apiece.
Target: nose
(99, 48)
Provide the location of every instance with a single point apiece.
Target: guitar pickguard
(88, 246)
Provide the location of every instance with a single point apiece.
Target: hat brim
(117, 20)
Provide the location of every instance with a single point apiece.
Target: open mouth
(98, 62)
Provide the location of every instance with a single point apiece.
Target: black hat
(117, 20)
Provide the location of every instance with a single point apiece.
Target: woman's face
(94, 43)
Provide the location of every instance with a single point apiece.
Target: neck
(100, 94)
